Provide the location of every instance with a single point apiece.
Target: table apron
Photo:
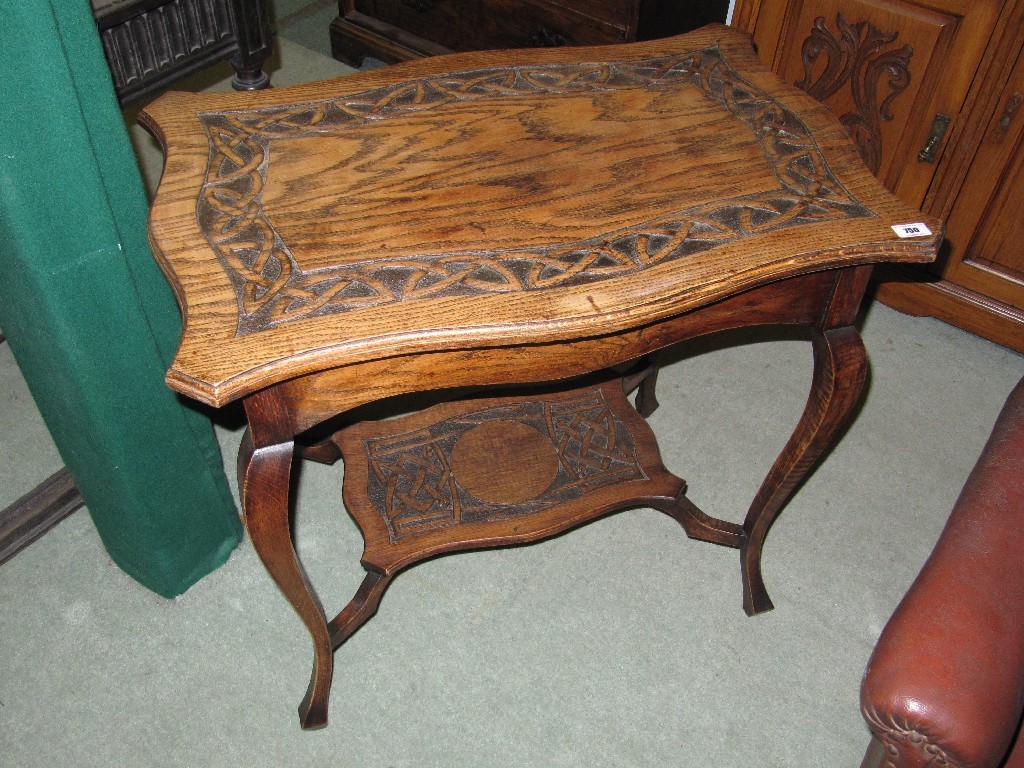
(817, 300)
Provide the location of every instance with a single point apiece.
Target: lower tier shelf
(506, 470)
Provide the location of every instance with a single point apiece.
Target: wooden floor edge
(35, 513)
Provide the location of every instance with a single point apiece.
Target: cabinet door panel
(887, 68)
(986, 226)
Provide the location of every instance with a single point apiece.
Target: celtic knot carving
(272, 288)
(413, 487)
(857, 56)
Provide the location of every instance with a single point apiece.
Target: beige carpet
(620, 644)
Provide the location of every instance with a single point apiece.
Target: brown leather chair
(945, 684)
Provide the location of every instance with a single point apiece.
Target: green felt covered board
(90, 319)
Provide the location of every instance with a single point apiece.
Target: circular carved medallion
(504, 462)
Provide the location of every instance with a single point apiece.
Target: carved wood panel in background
(150, 44)
(859, 56)
(898, 64)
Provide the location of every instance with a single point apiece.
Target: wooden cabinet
(931, 92)
(151, 44)
(990, 206)
(396, 30)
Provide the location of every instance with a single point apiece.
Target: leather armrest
(946, 679)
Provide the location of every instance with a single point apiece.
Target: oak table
(549, 219)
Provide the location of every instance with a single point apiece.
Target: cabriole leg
(265, 488)
(840, 372)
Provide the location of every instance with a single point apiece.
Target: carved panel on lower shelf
(509, 469)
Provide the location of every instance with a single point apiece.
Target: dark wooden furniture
(397, 30)
(35, 513)
(943, 686)
(932, 92)
(150, 44)
(499, 218)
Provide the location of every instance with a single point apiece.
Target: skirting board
(36, 512)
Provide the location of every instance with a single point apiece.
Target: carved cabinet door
(896, 72)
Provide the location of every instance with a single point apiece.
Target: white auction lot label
(911, 230)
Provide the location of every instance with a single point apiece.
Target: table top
(494, 199)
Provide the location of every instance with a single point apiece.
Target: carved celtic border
(272, 289)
